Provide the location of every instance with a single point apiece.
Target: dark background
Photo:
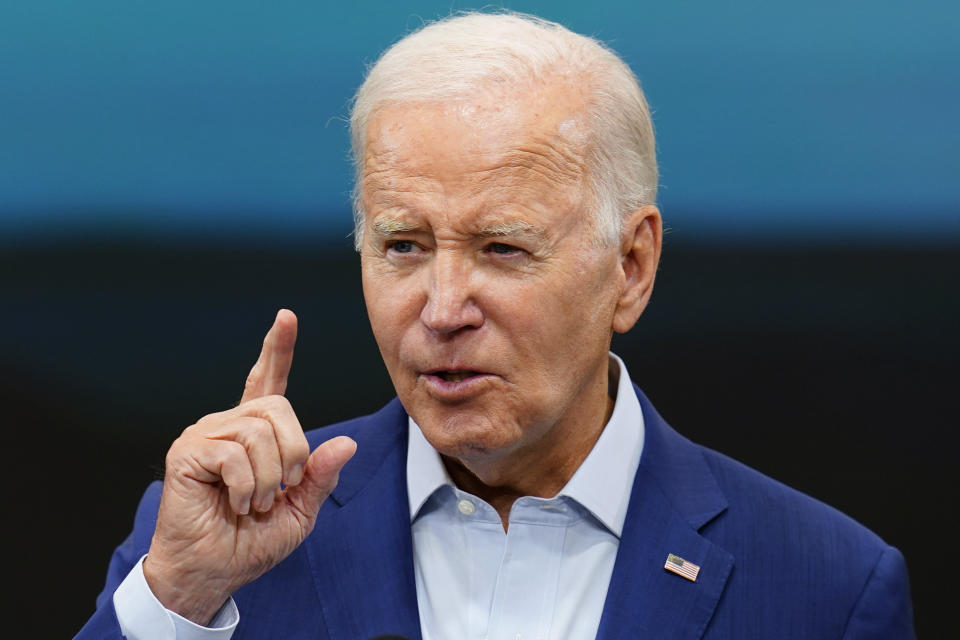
(831, 369)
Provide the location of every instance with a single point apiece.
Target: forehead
(528, 139)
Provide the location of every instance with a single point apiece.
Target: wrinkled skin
(491, 300)
(223, 518)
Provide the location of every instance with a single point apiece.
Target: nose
(450, 301)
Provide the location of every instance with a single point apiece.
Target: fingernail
(295, 475)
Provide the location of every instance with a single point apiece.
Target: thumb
(320, 476)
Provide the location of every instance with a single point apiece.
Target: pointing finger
(269, 374)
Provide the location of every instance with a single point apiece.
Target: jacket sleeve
(883, 611)
(103, 625)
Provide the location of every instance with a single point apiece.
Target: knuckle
(172, 459)
(229, 452)
(193, 429)
(251, 389)
(178, 459)
(277, 411)
(178, 448)
(253, 378)
(261, 431)
(204, 424)
(277, 403)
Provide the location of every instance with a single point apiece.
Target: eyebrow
(511, 227)
(387, 225)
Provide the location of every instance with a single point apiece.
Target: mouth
(456, 385)
(455, 376)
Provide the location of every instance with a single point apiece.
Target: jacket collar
(361, 553)
(674, 496)
(680, 470)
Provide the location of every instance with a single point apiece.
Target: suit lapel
(361, 555)
(674, 495)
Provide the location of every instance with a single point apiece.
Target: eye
(401, 246)
(503, 249)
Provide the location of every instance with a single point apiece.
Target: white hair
(451, 58)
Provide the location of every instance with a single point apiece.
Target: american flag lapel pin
(682, 567)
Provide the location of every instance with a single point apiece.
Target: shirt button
(466, 507)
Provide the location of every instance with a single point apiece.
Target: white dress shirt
(142, 617)
(547, 577)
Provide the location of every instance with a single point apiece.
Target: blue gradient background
(813, 122)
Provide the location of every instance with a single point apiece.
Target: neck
(543, 469)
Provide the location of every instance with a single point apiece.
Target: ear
(639, 255)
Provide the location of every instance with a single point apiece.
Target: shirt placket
(525, 593)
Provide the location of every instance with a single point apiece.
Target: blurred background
(172, 173)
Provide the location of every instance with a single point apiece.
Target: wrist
(193, 597)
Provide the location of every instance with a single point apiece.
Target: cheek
(517, 307)
(565, 298)
(389, 306)
(573, 318)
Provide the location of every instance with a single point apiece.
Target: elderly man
(520, 486)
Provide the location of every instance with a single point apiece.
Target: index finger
(269, 374)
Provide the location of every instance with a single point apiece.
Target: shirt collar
(425, 470)
(602, 484)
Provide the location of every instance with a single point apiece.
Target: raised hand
(224, 519)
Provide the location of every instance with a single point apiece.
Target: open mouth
(455, 376)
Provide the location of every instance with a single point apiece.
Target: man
(520, 487)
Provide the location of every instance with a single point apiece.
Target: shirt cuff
(143, 617)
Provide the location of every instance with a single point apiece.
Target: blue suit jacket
(775, 564)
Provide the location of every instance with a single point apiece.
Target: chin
(468, 436)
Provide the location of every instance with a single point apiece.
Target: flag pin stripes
(682, 567)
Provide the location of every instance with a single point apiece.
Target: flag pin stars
(682, 567)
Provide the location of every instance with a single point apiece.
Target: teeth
(455, 376)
